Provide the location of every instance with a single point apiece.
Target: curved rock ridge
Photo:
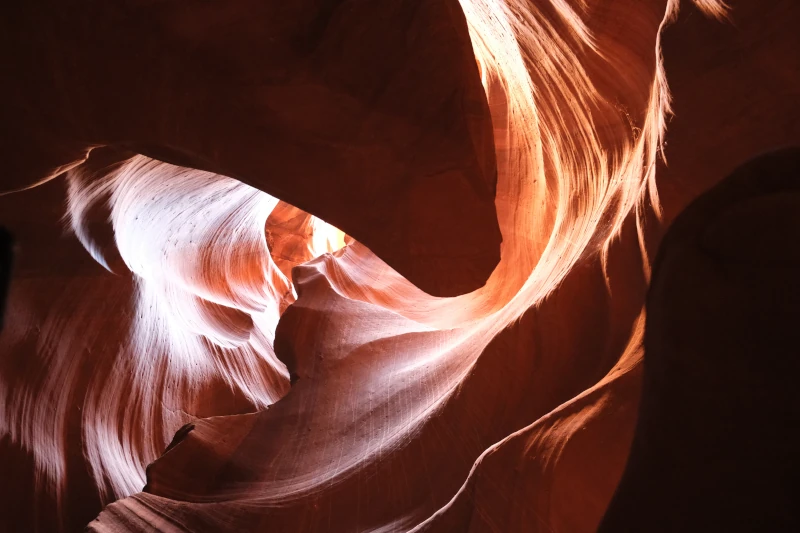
(209, 357)
(368, 115)
(101, 367)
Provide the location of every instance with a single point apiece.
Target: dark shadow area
(716, 443)
(6, 260)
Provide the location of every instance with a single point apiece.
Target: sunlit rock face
(354, 266)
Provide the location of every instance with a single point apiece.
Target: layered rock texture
(349, 266)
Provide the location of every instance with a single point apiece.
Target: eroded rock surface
(199, 353)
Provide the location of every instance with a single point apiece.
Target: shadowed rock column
(715, 447)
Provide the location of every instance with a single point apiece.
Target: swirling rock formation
(195, 354)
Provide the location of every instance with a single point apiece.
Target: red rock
(179, 386)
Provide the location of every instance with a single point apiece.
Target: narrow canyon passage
(347, 266)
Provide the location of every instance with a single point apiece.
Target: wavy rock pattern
(160, 358)
(167, 338)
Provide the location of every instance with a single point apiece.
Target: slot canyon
(393, 266)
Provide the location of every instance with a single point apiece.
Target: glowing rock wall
(461, 350)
